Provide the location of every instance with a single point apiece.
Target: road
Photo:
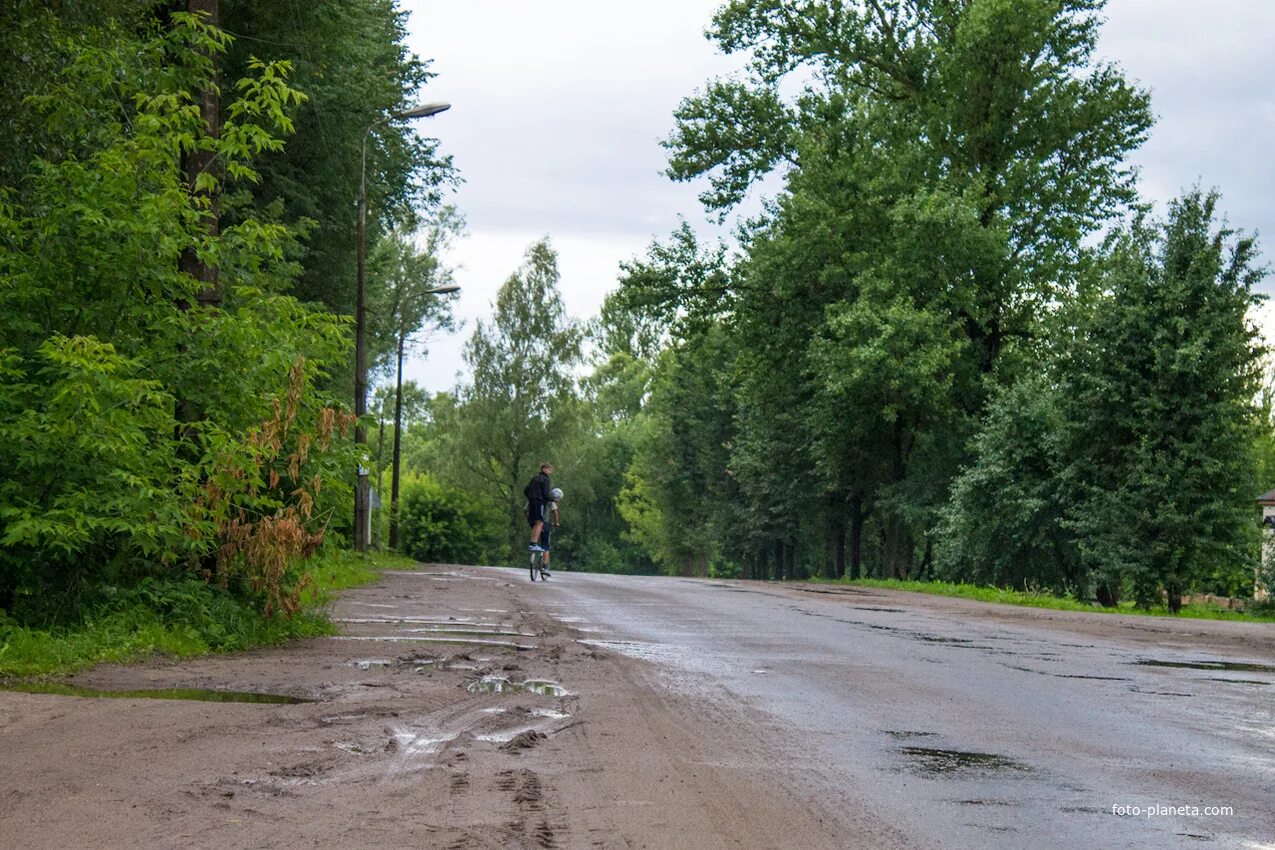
(466, 707)
(966, 725)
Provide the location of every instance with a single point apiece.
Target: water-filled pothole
(928, 761)
(197, 694)
(1235, 666)
(501, 685)
(417, 665)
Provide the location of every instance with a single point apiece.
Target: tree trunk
(198, 162)
(840, 569)
(398, 443)
(194, 163)
(858, 518)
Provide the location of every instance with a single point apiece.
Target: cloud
(559, 106)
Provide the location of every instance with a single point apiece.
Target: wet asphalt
(956, 731)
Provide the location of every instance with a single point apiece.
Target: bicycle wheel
(534, 560)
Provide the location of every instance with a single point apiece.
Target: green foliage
(521, 404)
(679, 495)
(180, 617)
(112, 478)
(441, 524)
(350, 60)
(1160, 389)
(1005, 524)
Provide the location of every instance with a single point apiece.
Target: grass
(1043, 599)
(182, 618)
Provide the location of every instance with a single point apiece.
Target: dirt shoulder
(407, 742)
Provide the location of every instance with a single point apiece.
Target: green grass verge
(182, 618)
(1042, 599)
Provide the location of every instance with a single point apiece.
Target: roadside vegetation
(181, 618)
(1261, 613)
(957, 344)
(175, 300)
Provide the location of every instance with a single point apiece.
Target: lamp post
(362, 508)
(398, 422)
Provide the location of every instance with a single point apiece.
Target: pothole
(371, 663)
(196, 694)
(1233, 666)
(501, 685)
(927, 761)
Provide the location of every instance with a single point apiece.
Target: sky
(559, 106)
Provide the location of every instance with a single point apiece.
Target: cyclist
(551, 514)
(537, 493)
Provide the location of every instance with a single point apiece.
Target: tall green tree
(351, 61)
(103, 485)
(1160, 391)
(521, 404)
(405, 305)
(942, 165)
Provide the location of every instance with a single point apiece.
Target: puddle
(432, 621)
(501, 685)
(353, 748)
(196, 694)
(927, 761)
(396, 638)
(371, 664)
(1082, 676)
(414, 744)
(457, 630)
(1137, 690)
(550, 713)
(984, 803)
(1233, 666)
(636, 649)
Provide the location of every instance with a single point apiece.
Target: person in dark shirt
(537, 493)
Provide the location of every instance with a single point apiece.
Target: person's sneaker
(535, 547)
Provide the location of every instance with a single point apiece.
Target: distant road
(963, 724)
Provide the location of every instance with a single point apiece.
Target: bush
(440, 524)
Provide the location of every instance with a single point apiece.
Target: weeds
(182, 618)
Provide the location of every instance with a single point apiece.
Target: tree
(1160, 388)
(104, 485)
(351, 61)
(405, 303)
(521, 402)
(1007, 521)
(942, 165)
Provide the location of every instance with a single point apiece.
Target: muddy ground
(452, 714)
(469, 708)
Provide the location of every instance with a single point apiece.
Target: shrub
(445, 525)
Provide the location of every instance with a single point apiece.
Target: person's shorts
(535, 513)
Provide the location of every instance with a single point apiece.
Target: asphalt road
(961, 724)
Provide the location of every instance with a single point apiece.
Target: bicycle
(537, 565)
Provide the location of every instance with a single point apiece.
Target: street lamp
(398, 421)
(362, 511)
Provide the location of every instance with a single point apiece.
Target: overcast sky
(558, 108)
